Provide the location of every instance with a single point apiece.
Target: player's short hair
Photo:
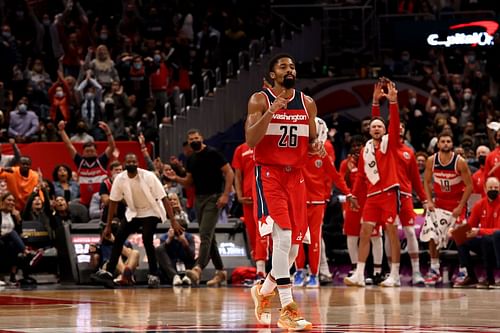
(378, 118)
(445, 134)
(421, 153)
(274, 60)
(193, 131)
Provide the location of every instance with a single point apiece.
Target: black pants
(148, 225)
(483, 247)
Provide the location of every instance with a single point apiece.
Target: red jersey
(91, 173)
(386, 162)
(243, 161)
(286, 141)
(492, 160)
(319, 174)
(485, 215)
(478, 182)
(409, 177)
(349, 165)
(448, 183)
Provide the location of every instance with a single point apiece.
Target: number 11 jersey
(287, 137)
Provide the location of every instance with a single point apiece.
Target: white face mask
(413, 101)
(59, 94)
(467, 96)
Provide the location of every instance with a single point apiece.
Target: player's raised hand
(392, 93)
(378, 92)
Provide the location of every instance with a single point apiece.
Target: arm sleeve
(394, 126)
(375, 110)
(415, 179)
(337, 179)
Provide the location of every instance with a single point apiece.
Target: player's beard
(289, 83)
(445, 150)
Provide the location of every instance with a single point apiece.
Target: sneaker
(153, 281)
(291, 320)
(484, 284)
(186, 281)
(461, 275)
(369, 281)
(354, 281)
(432, 278)
(312, 282)
(219, 279)
(36, 258)
(466, 282)
(495, 285)
(194, 275)
(262, 305)
(2, 283)
(325, 279)
(103, 278)
(377, 279)
(177, 281)
(417, 279)
(391, 282)
(299, 278)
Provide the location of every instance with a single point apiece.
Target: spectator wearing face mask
(160, 78)
(478, 176)
(81, 134)
(59, 95)
(23, 124)
(90, 111)
(102, 67)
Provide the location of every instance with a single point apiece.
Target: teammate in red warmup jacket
(478, 180)
(492, 165)
(244, 176)
(483, 238)
(319, 174)
(281, 129)
(448, 176)
(378, 173)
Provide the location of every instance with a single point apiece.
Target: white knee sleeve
(282, 244)
(352, 247)
(411, 238)
(377, 251)
(294, 251)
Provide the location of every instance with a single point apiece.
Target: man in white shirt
(147, 204)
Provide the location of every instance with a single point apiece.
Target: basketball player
(492, 165)
(319, 174)
(244, 165)
(378, 174)
(448, 176)
(281, 129)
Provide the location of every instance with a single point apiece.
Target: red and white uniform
(243, 161)
(319, 175)
(492, 164)
(448, 185)
(90, 176)
(409, 179)
(478, 179)
(381, 205)
(280, 192)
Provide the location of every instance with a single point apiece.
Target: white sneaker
(391, 282)
(354, 281)
(2, 283)
(186, 281)
(177, 281)
(417, 278)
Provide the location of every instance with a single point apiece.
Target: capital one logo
(481, 38)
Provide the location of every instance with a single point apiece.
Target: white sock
(360, 269)
(285, 295)
(395, 270)
(415, 265)
(268, 286)
(261, 266)
(435, 264)
(352, 248)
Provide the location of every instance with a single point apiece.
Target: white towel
(371, 169)
(436, 227)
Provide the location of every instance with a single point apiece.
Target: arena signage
(475, 38)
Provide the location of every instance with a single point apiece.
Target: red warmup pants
(258, 245)
(315, 215)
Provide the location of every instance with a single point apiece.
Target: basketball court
(331, 309)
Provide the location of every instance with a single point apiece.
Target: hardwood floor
(331, 309)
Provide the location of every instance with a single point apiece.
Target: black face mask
(80, 130)
(131, 168)
(481, 159)
(288, 83)
(492, 194)
(195, 145)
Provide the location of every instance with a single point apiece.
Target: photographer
(176, 249)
